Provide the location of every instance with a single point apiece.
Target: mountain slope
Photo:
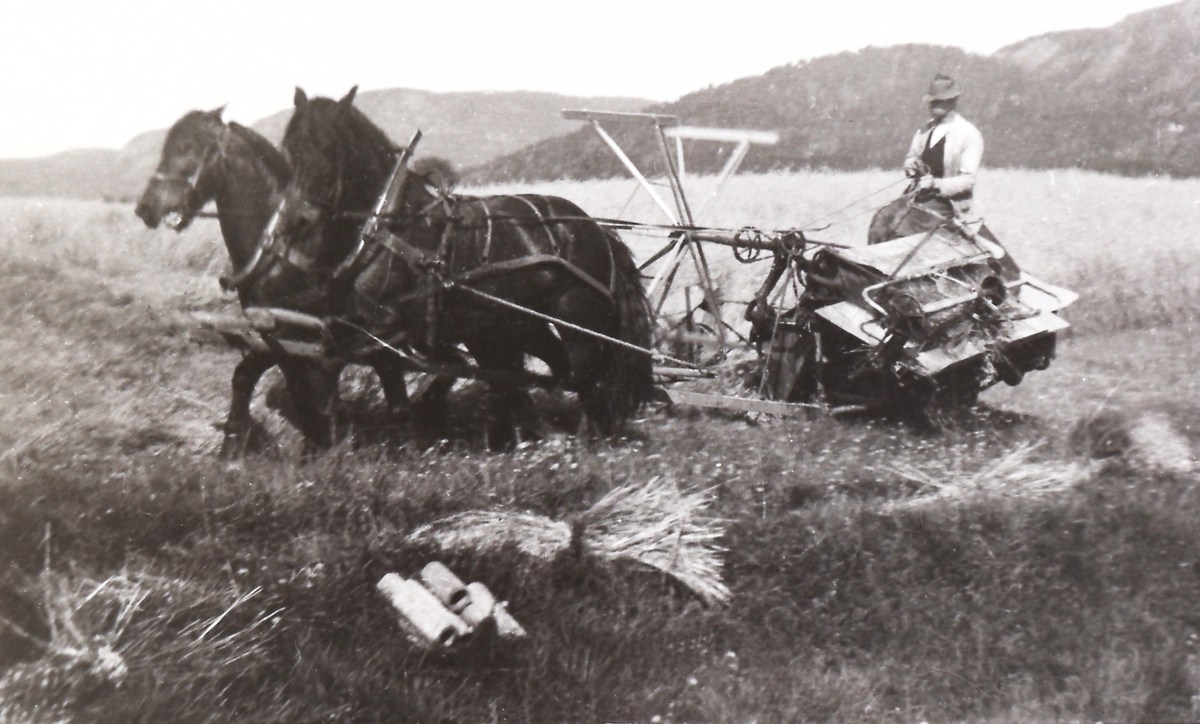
(850, 110)
(1123, 99)
(467, 128)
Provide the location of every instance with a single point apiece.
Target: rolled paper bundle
(421, 614)
(449, 589)
(480, 606)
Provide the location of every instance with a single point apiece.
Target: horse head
(186, 177)
(339, 162)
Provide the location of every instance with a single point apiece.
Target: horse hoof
(253, 439)
(500, 438)
(234, 445)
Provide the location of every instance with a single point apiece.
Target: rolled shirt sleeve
(912, 162)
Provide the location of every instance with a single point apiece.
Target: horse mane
(363, 152)
(372, 153)
(189, 125)
(272, 157)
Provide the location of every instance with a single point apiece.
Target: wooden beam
(648, 119)
(745, 404)
(633, 170)
(728, 135)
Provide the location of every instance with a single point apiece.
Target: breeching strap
(574, 327)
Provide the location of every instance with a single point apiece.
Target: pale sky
(94, 74)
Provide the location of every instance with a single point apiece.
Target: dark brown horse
(205, 159)
(446, 270)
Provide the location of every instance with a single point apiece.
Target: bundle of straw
(654, 524)
(1013, 475)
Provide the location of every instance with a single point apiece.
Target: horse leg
(588, 357)
(430, 406)
(503, 399)
(390, 369)
(587, 369)
(312, 385)
(239, 425)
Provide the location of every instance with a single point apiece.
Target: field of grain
(990, 571)
(1112, 237)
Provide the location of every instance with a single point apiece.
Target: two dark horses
(204, 159)
(437, 281)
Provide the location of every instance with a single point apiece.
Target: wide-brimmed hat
(942, 88)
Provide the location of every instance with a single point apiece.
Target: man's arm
(913, 166)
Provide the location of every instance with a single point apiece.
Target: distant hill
(467, 128)
(86, 174)
(850, 110)
(1123, 99)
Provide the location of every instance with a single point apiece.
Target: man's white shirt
(963, 153)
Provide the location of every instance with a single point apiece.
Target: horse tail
(631, 373)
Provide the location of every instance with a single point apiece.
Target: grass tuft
(982, 572)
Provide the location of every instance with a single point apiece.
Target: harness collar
(265, 244)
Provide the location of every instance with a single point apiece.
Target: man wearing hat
(945, 154)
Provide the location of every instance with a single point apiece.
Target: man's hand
(915, 169)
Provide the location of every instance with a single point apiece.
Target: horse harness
(214, 153)
(434, 268)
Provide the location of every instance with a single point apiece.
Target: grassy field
(985, 572)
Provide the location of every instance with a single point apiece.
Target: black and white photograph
(624, 361)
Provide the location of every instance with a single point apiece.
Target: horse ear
(300, 98)
(348, 99)
(216, 112)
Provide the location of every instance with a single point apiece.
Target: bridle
(215, 152)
